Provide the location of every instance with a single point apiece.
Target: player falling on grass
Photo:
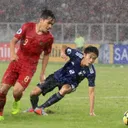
(34, 38)
(67, 78)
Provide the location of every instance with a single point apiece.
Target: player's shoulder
(28, 24)
(92, 69)
(78, 53)
(73, 52)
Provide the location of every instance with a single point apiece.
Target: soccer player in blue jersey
(67, 79)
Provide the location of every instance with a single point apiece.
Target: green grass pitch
(73, 111)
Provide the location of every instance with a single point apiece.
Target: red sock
(2, 102)
(1, 113)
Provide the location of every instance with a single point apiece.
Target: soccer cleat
(1, 118)
(16, 107)
(40, 111)
(29, 110)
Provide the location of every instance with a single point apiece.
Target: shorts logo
(19, 31)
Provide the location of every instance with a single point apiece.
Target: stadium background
(101, 23)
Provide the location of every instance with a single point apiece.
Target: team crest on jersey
(19, 31)
(69, 51)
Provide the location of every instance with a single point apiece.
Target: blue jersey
(72, 72)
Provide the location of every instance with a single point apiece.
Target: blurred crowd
(95, 12)
(19, 10)
(67, 11)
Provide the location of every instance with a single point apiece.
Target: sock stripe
(59, 95)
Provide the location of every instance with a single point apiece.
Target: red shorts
(19, 72)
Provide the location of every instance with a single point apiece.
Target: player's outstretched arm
(63, 55)
(44, 65)
(13, 56)
(92, 99)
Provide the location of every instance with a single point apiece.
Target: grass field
(73, 111)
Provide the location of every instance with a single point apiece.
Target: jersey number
(71, 71)
(25, 42)
(26, 79)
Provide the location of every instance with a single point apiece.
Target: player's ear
(85, 54)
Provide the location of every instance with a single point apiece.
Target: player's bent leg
(57, 96)
(52, 100)
(65, 89)
(34, 97)
(17, 94)
(3, 92)
(2, 102)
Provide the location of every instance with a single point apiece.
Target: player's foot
(40, 111)
(1, 118)
(15, 107)
(29, 110)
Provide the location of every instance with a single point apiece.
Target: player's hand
(64, 56)
(14, 57)
(42, 78)
(92, 114)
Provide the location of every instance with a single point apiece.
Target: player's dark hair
(47, 13)
(91, 49)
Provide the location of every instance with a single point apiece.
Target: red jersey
(32, 44)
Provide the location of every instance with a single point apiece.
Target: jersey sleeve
(73, 53)
(21, 32)
(91, 77)
(91, 80)
(48, 47)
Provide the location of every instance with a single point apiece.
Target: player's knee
(4, 88)
(64, 91)
(17, 94)
(35, 92)
(32, 93)
(18, 90)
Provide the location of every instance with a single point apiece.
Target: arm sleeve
(91, 80)
(73, 53)
(70, 52)
(21, 32)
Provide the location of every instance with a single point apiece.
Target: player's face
(46, 24)
(89, 58)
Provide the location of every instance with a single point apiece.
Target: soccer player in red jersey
(34, 38)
